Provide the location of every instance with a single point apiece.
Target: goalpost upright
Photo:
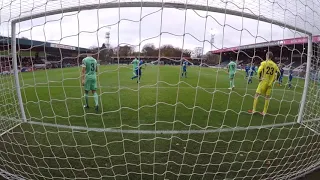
(16, 71)
(306, 80)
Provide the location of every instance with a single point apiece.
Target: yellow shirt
(268, 71)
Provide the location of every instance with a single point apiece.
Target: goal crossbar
(161, 5)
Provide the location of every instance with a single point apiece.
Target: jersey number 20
(270, 70)
(92, 66)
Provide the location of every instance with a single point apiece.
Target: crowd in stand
(59, 62)
(36, 63)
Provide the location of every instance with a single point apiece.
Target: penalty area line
(166, 132)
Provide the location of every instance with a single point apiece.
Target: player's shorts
(264, 88)
(184, 69)
(290, 78)
(90, 84)
(231, 75)
(138, 72)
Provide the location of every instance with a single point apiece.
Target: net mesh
(311, 111)
(180, 120)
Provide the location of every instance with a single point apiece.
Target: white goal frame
(159, 5)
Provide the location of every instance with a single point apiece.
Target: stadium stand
(292, 53)
(34, 54)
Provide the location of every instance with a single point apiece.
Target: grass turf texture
(162, 101)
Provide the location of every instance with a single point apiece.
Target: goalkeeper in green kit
(232, 66)
(89, 79)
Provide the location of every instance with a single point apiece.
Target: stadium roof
(299, 15)
(284, 42)
(35, 43)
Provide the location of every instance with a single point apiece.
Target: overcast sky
(88, 28)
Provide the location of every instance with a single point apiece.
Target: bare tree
(187, 53)
(211, 59)
(125, 50)
(149, 50)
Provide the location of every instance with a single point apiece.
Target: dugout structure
(53, 150)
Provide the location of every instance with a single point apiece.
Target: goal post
(181, 120)
(16, 71)
(306, 82)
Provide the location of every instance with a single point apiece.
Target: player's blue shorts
(280, 77)
(184, 69)
(138, 72)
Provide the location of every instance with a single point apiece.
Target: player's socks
(134, 77)
(95, 97)
(86, 106)
(185, 74)
(255, 102)
(263, 114)
(86, 99)
(266, 105)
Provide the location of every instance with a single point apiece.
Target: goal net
(159, 90)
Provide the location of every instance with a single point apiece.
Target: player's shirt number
(270, 70)
(92, 66)
(232, 67)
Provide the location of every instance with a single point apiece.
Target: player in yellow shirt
(267, 72)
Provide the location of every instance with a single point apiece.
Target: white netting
(311, 113)
(168, 124)
(9, 112)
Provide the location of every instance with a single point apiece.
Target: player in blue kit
(184, 69)
(290, 78)
(247, 69)
(140, 70)
(252, 72)
(135, 68)
(280, 76)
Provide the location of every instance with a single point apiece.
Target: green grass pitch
(162, 101)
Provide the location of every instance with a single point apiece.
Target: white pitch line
(160, 87)
(124, 131)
